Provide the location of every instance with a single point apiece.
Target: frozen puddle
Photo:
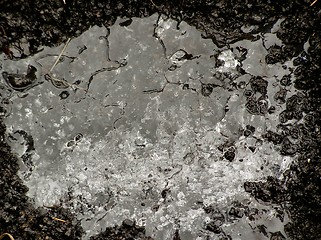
(147, 122)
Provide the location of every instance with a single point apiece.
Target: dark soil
(128, 230)
(51, 22)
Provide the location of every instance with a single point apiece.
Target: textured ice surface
(142, 130)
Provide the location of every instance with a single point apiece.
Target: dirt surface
(26, 26)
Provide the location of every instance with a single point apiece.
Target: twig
(62, 51)
(313, 3)
(6, 235)
(60, 83)
(58, 219)
(154, 3)
(4, 32)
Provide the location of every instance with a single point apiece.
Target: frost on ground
(151, 122)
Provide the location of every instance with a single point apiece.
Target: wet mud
(26, 27)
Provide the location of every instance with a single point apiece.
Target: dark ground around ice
(51, 22)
